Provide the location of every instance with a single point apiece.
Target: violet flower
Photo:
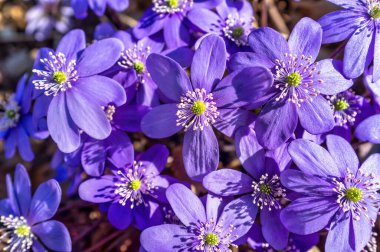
(358, 23)
(233, 21)
(71, 76)
(169, 16)
(212, 229)
(207, 101)
(47, 16)
(25, 220)
(134, 191)
(80, 7)
(261, 185)
(16, 122)
(299, 82)
(296, 243)
(334, 193)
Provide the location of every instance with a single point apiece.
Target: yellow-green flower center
(237, 32)
(265, 188)
(354, 194)
(11, 114)
(212, 239)
(294, 79)
(198, 107)
(139, 67)
(375, 12)
(22, 231)
(59, 77)
(173, 4)
(341, 104)
(135, 184)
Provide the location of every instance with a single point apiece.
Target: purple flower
(212, 229)
(70, 75)
(47, 16)
(134, 191)
(233, 21)
(296, 243)
(80, 7)
(334, 193)
(358, 23)
(169, 16)
(298, 85)
(261, 186)
(206, 101)
(16, 122)
(25, 220)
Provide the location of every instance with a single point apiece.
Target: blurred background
(27, 25)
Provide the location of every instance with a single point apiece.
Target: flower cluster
(198, 73)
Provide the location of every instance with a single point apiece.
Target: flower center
(173, 4)
(11, 114)
(294, 79)
(198, 107)
(341, 104)
(135, 184)
(132, 184)
(109, 111)
(267, 192)
(237, 32)
(59, 77)
(375, 12)
(354, 194)
(139, 67)
(265, 188)
(15, 233)
(22, 230)
(212, 239)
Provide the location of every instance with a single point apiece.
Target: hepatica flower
(334, 193)
(299, 82)
(70, 75)
(261, 186)
(212, 229)
(133, 191)
(16, 122)
(47, 16)
(233, 21)
(169, 16)
(25, 223)
(206, 101)
(359, 23)
(80, 7)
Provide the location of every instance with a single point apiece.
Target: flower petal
(308, 215)
(340, 238)
(71, 44)
(148, 215)
(120, 216)
(342, 153)
(164, 238)
(176, 34)
(200, 152)
(23, 189)
(376, 57)
(273, 230)
(229, 120)
(371, 165)
(369, 129)
(93, 157)
(99, 57)
(128, 117)
(209, 63)
(155, 159)
(276, 123)
(13, 200)
(53, 235)
(119, 149)
(333, 81)
(316, 116)
(169, 76)
(149, 24)
(204, 19)
(98, 190)
(61, 127)
(23, 144)
(228, 182)
(312, 159)
(87, 115)
(186, 205)
(306, 38)
(45, 202)
(161, 121)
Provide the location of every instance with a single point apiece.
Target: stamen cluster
(267, 192)
(16, 233)
(237, 29)
(346, 107)
(9, 113)
(171, 6)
